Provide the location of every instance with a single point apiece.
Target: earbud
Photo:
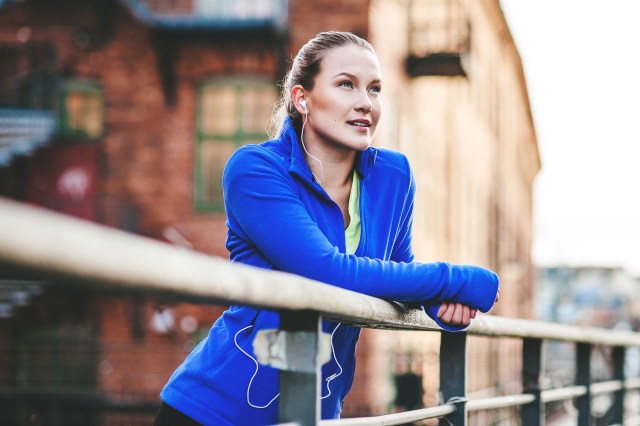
(303, 104)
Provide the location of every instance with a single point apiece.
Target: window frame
(85, 86)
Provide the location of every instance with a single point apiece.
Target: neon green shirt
(352, 233)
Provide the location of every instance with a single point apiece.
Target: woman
(318, 201)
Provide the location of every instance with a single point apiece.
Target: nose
(364, 103)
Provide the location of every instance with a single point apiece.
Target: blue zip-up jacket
(280, 218)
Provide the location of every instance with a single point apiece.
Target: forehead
(351, 59)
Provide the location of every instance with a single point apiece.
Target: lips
(360, 123)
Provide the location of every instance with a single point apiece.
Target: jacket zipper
(253, 321)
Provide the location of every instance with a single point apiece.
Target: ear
(297, 95)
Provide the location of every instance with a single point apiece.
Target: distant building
(596, 296)
(123, 112)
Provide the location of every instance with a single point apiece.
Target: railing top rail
(43, 241)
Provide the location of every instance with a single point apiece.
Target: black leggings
(169, 416)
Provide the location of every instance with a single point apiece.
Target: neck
(334, 171)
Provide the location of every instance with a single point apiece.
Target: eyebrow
(348, 74)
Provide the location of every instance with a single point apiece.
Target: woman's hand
(456, 313)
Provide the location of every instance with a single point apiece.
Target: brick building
(123, 112)
(131, 109)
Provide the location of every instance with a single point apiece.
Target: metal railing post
(618, 355)
(453, 376)
(532, 414)
(583, 378)
(299, 400)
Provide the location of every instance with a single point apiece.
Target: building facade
(130, 109)
(456, 103)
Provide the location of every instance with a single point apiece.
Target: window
(58, 357)
(56, 363)
(229, 113)
(240, 9)
(28, 74)
(81, 110)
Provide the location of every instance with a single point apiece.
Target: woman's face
(344, 106)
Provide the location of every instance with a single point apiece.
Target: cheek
(378, 114)
(377, 107)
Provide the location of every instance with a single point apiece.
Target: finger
(457, 313)
(442, 309)
(466, 315)
(473, 313)
(448, 314)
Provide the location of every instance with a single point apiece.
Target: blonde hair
(306, 66)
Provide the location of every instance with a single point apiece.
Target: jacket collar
(365, 160)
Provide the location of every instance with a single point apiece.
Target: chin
(366, 145)
(361, 144)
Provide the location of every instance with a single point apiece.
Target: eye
(346, 83)
(375, 89)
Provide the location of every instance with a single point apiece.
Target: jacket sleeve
(402, 247)
(264, 207)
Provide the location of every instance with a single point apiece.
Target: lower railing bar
(632, 421)
(562, 394)
(396, 418)
(433, 412)
(606, 387)
(632, 383)
(499, 402)
(550, 395)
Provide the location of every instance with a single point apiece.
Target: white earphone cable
(328, 379)
(335, 375)
(235, 339)
(320, 181)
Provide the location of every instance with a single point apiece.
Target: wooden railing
(49, 243)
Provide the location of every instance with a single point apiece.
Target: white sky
(582, 66)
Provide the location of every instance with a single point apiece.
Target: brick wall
(311, 17)
(146, 161)
(144, 342)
